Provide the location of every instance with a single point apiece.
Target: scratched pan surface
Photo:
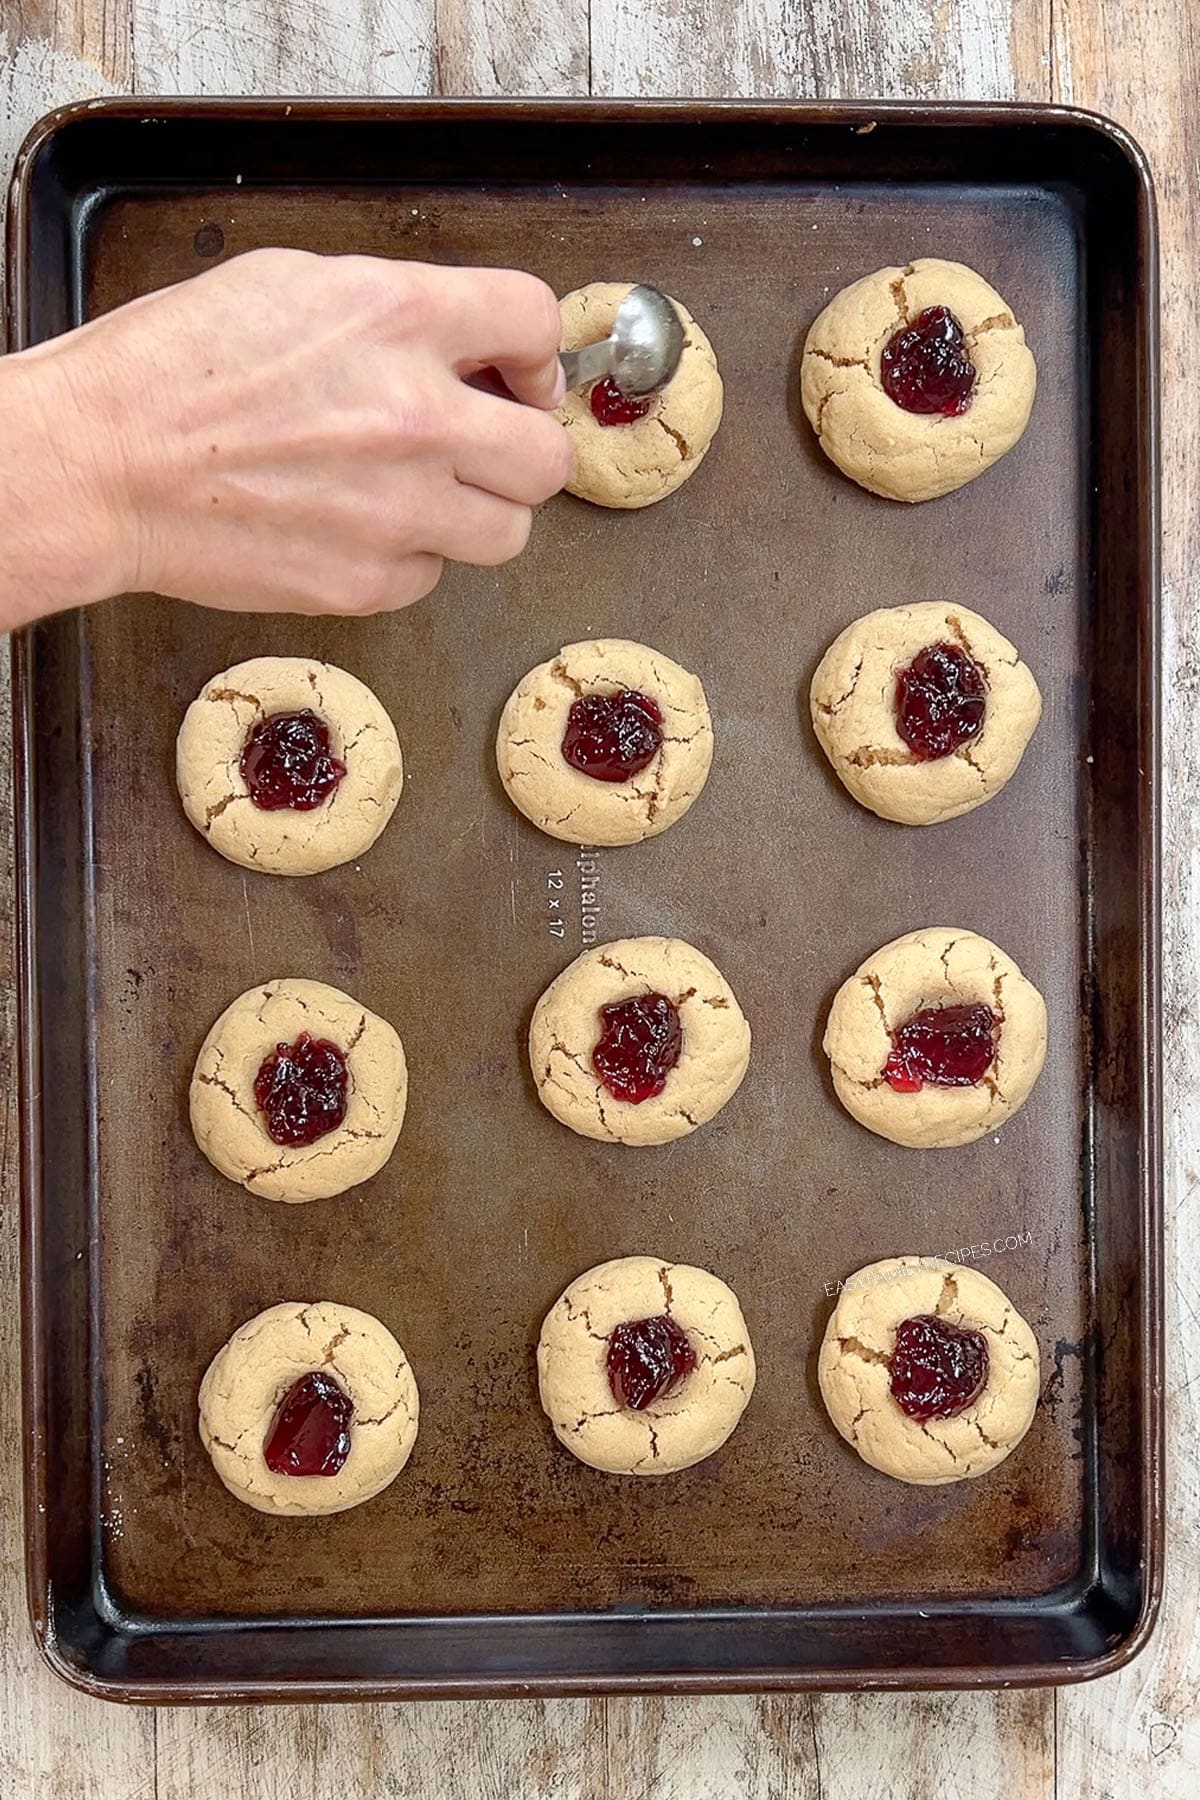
(783, 1559)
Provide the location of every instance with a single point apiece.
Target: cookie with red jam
(638, 1042)
(644, 1366)
(928, 1370)
(917, 379)
(311, 1407)
(299, 1091)
(924, 711)
(609, 742)
(288, 765)
(936, 1040)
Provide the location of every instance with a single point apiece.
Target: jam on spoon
(611, 407)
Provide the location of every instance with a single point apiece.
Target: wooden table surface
(1137, 1733)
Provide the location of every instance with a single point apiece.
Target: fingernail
(560, 387)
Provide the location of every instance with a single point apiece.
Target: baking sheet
(453, 924)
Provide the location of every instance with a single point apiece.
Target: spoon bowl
(642, 352)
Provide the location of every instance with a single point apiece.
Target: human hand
(290, 432)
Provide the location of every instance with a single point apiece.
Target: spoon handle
(588, 364)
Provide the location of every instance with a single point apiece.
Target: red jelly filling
(925, 367)
(638, 1047)
(301, 1090)
(288, 761)
(310, 1433)
(646, 1359)
(611, 407)
(936, 1369)
(941, 698)
(944, 1046)
(612, 737)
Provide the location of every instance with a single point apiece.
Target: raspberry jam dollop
(925, 368)
(936, 1369)
(612, 737)
(646, 1359)
(638, 1047)
(611, 407)
(941, 697)
(288, 761)
(310, 1433)
(301, 1090)
(944, 1046)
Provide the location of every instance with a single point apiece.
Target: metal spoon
(642, 353)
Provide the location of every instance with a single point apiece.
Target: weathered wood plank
(285, 47)
(956, 1746)
(481, 1750)
(822, 49)
(723, 1748)
(481, 49)
(93, 33)
(1140, 1731)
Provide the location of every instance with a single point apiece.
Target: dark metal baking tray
(498, 1565)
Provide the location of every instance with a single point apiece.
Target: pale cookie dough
(565, 803)
(635, 465)
(226, 1119)
(903, 455)
(566, 1027)
(247, 1380)
(939, 966)
(853, 702)
(854, 1376)
(684, 1425)
(287, 842)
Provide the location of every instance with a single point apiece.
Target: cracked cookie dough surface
(899, 454)
(251, 1375)
(566, 1027)
(938, 966)
(854, 1377)
(564, 802)
(853, 704)
(635, 465)
(287, 842)
(686, 1424)
(225, 1116)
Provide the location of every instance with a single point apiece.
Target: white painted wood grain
(439, 1750)
(716, 1748)
(509, 49)
(821, 48)
(953, 1746)
(283, 47)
